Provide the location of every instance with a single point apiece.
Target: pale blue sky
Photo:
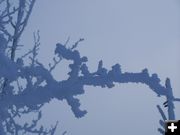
(137, 34)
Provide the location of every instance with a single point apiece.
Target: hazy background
(137, 34)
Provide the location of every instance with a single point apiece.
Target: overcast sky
(137, 34)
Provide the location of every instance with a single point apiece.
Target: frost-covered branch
(74, 85)
(23, 14)
(21, 22)
(41, 87)
(15, 128)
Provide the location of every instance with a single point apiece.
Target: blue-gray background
(137, 34)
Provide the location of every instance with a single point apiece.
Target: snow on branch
(74, 85)
(41, 87)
